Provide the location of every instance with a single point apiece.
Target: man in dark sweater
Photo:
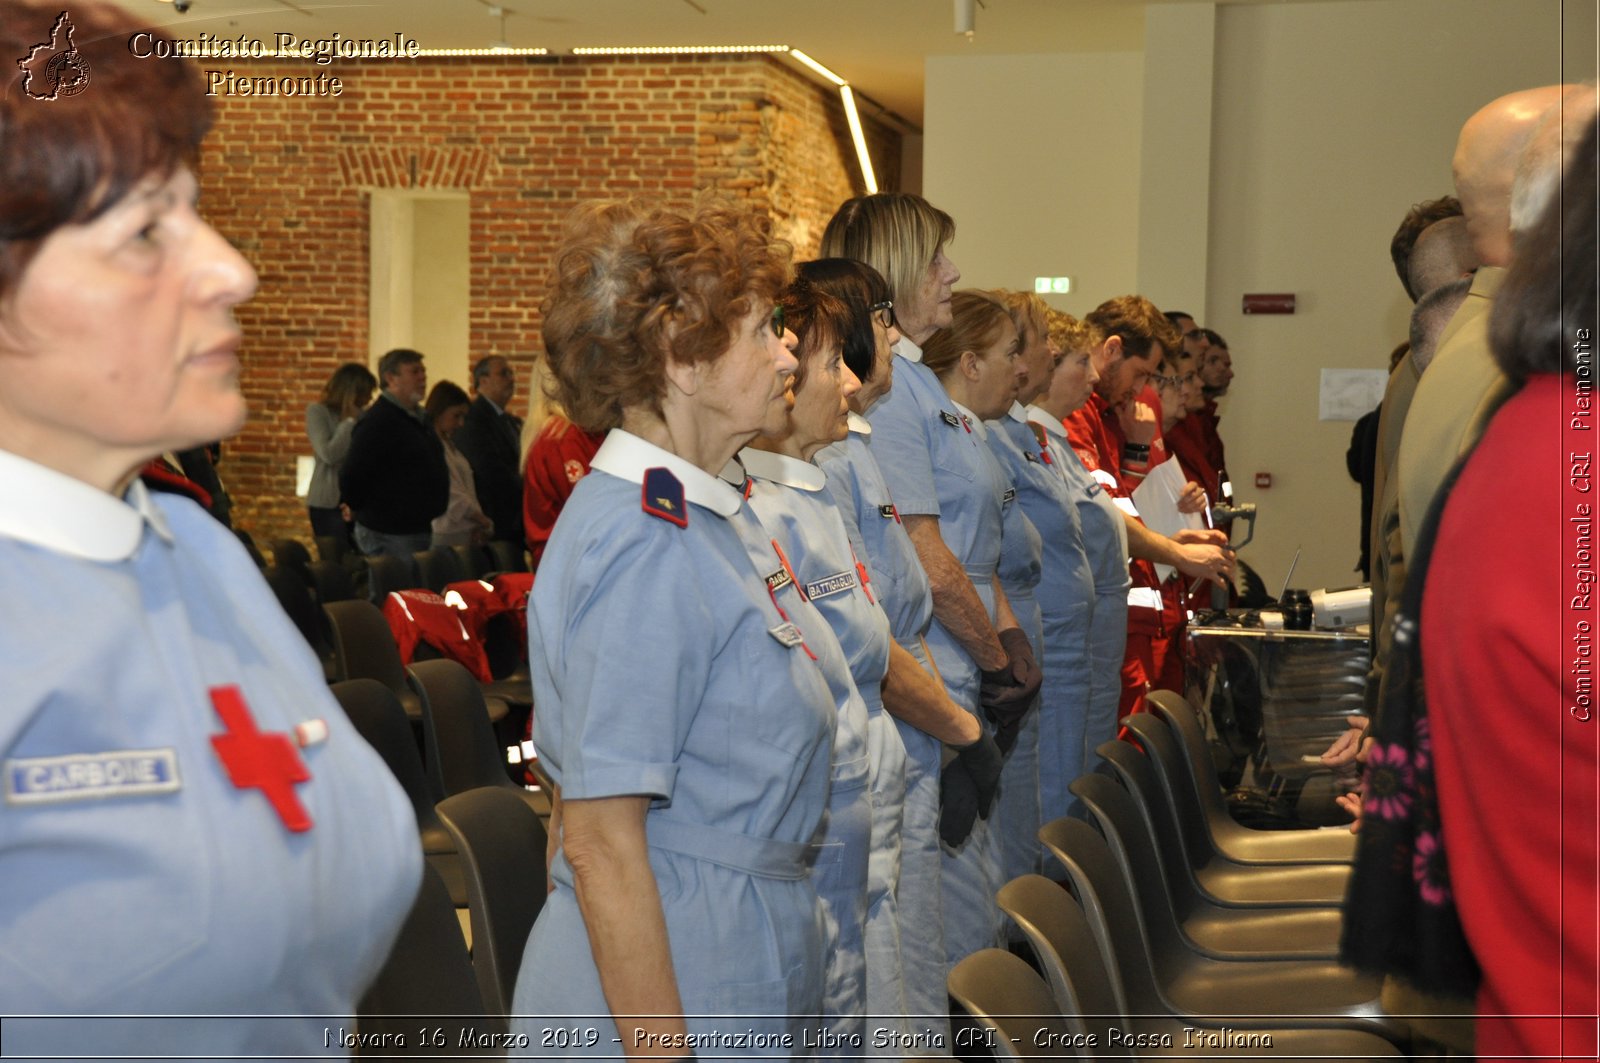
(394, 477)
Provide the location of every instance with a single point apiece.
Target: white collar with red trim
(627, 457)
(782, 469)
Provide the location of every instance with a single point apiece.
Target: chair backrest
(1068, 954)
(331, 547)
(1172, 779)
(364, 647)
(456, 733)
(1132, 769)
(335, 581)
(509, 556)
(503, 844)
(474, 560)
(299, 601)
(386, 572)
(1185, 721)
(1004, 995)
(438, 568)
(377, 715)
(292, 554)
(428, 980)
(1097, 883)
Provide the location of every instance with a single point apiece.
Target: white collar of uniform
(1052, 424)
(782, 469)
(626, 456)
(973, 421)
(906, 348)
(859, 424)
(1018, 413)
(60, 513)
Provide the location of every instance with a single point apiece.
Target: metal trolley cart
(1273, 700)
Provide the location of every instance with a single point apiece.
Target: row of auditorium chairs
(1172, 933)
(483, 840)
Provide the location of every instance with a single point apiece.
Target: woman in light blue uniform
(787, 492)
(682, 712)
(1105, 539)
(1066, 588)
(196, 845)
(904, 869)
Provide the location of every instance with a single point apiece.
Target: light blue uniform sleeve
(901, 443)
(619, 684)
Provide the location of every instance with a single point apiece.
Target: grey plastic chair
(1194, 784)
(1065, 947)
(458, 734)
(1015, 1014)
(364, 648)
(502, 846)
(1155, 973)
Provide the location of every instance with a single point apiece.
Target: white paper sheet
(1157, 499)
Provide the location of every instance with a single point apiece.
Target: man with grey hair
(491, 440)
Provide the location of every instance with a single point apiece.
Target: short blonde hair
(1072, 335)
(635, 285)
(1028, 313)
(896, 233)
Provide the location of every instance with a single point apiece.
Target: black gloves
(1008, 692)
(967, 789)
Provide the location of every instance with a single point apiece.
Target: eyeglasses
(883, 313)
(777, 320)
(1164, 381)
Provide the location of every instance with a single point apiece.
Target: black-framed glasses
(777, 320)
(883, 313)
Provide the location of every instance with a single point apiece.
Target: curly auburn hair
(637, 285)
(1072, 335)
(1137, 321)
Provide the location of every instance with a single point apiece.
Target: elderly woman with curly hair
(682, 711)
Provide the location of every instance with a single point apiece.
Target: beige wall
(1326, 122)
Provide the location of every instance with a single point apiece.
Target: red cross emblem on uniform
(266, 762)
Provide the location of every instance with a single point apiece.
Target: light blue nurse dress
(901, 587)
(1021, 562)
(935, 465)
(662, 666)
(1066, 602)
(138, 879)
(860, 848)
(1105, 542)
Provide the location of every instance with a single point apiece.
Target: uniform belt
(761, 857)
(980, 575)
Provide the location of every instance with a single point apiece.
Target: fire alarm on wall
(1263, 480)
(1269, 303)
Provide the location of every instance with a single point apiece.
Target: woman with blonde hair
(682, 711)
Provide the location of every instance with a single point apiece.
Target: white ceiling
(877, 45)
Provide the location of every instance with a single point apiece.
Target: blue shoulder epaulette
(663, 496)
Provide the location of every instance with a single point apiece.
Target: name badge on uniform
(1031, 456)
(1010, 495)
(888, 512)
(778, 580)
(787, 634)
(949, 418)
(834, 584)
(123, 773)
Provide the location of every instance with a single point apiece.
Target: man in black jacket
(394, 477)
(491, 440)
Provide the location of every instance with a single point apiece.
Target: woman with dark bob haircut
(192, 826)
(682, 711)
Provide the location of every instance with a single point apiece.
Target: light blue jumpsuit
(138, 878)
(787, 495)
(912, 867)
(1105, 541)
(935, 465)
(662, 666)
(1066, 602)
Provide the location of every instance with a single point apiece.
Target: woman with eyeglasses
(683, 714)
(905, 863)
(949, 493)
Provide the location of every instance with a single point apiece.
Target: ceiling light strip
(684, 49)
(448, 52)
(868, 178)
(799, 56)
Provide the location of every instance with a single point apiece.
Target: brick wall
(286, 179)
